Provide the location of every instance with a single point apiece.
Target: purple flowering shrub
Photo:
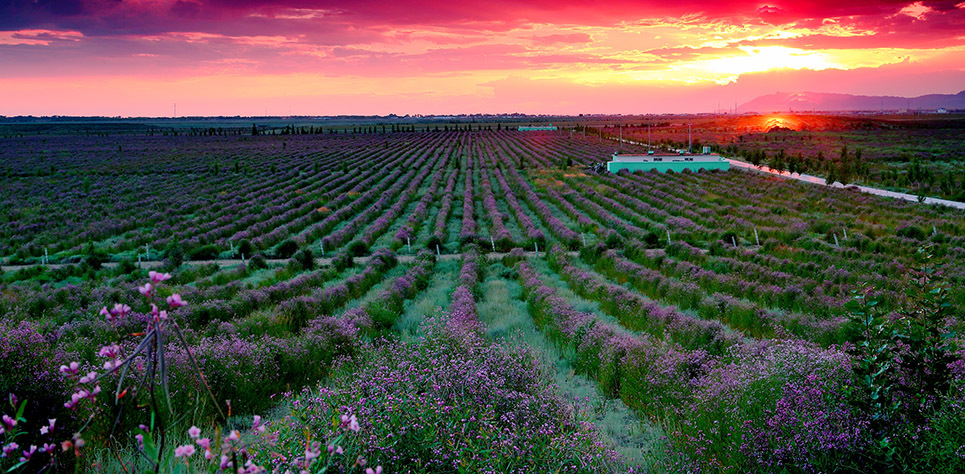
(452, 402)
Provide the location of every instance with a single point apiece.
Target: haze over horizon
(371, 57)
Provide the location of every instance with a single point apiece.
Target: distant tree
(254, 129)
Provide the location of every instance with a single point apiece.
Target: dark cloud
(106, 17)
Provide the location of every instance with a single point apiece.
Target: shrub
(286, 249)
(205, 252)
(304, 259)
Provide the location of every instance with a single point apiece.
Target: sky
(368, 57)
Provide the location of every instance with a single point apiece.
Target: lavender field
(464, 300)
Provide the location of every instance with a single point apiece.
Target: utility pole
(690, 136)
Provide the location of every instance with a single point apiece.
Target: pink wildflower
(147, 290)
(157, 277)
(257, 425)
(10, 448)
(71, 369)
(120, 310)
(310, 455)
(175, 301)
(194, 432)
(206, 444)
(184, 451)
(377, 470)
(28, 453)
(10, 422)
(351, 422)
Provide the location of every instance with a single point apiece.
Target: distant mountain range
(819, 101)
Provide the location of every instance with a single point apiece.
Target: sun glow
(760, 59)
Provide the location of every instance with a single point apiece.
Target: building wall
(663, 167)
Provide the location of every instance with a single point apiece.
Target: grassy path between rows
(502, 310)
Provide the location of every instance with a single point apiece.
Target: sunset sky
(303, 57)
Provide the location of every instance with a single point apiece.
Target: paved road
(318, 261)
(816, 180)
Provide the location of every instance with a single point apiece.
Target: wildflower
(28, 453)
(147, 290)
(194, 432)
(184, 451)
(10, 422)
(157, 277)
(70, 369)
(251, 468)
(310, 455)
(351, 422)
(140, 441)
(10, 448)
(206, 444)
(377, 470)
(257, 425)
(120, 310)
(225, 462)
(234, 435)
(90, 377)
(78, 441)
(111, 351)
(175, 301)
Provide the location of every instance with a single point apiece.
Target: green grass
(431, 301)
(506, 317)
